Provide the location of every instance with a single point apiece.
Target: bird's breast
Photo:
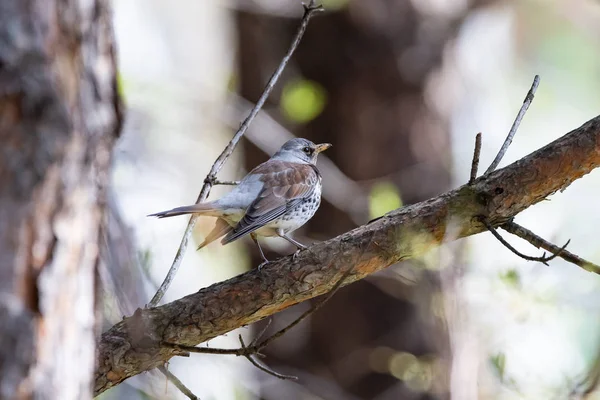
(297, 216)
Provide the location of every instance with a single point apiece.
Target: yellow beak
(322, 147)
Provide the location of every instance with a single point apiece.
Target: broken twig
(475, 162)
(178, 384)
(515, 126)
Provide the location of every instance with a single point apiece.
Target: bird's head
(300, 150)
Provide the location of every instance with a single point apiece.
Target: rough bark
(132, 346)
(59, 116)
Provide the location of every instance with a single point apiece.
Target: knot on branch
(210, 179)
(312, 8)
(142, 334)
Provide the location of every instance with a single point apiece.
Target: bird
(273, 200)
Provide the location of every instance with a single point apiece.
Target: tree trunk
(59, 117)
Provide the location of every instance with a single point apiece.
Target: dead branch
(515, 125)
(134, 345)
(543, 258)
(250, 358)
(309, 11)
(178, 384)
(226, 183)
(538, 242)
(475, 162)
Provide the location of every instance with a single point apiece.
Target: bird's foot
(262, 264)
(295, 255)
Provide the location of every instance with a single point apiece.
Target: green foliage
(570, 50)
(145, 258)
(499, 363)
(120, 85)
(303, 100)
(331, 5)
(384, 197)
(511, 278)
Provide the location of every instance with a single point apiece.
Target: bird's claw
(295, 255)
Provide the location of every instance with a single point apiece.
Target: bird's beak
(322, 147)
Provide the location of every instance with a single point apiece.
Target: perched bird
(274, 199)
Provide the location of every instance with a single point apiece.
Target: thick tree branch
(133, 345)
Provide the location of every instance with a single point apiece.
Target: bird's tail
(202, 208)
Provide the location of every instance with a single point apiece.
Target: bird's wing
(286, 185)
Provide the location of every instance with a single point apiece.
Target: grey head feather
(297, 150)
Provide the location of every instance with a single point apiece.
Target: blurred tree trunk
(59, 117)
(374, 60)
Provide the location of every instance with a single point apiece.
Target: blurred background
(400, 87)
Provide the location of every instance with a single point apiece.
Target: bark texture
(132, 346)
(59, 116)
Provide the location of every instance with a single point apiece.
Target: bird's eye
(307, 150)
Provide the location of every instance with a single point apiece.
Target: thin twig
(212, 180)
(210, 350)
(263, 368)
(538, 242)
(270, 371)
(260, 335)
(543, 259)
(228, 183)
(475, 162)
(309, 11)
(515, 126)
(178, 384)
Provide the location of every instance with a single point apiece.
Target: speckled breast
(299, 215)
